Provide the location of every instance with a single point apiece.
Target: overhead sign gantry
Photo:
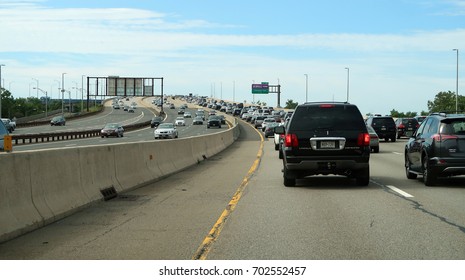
(123, 87)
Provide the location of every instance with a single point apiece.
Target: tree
(290, 104)
(396, 114)
(445, 102)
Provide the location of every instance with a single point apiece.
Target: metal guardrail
(61, 136)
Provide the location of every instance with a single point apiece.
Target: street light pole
(37, 87)
(347, 84)
(306, 87)
(46, 100)
(82, 93)
(62, 93)
(1, 89)
(457, 84)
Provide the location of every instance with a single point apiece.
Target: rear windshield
(452, 127)
(337, 118)
(409, 121)
(382, 122)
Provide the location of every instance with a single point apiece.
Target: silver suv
(326, 138)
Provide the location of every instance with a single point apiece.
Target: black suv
(214, 121)
(326, 138)
(385, 127)
(437, 148)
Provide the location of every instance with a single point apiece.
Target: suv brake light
(291, 140)
(327, 106)
(363, 139)
(401, 126)
(443, 137)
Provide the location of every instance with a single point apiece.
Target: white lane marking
(397, 153)
(399, 191)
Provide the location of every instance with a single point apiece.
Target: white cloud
(135, 42)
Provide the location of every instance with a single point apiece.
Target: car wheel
(219, 126)
(288, 181)
(429, 177)
(363, 177)
(409, 174)
(393, 138)
(376, 149)
(280, 154)
(276, 147)
(102, 136)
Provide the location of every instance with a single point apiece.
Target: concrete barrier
(40, 187)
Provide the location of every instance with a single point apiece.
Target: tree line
(444, 101)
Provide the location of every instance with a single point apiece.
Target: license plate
(327, 144)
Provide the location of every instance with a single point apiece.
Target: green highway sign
(262, 88)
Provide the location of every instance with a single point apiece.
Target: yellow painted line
(214, 233)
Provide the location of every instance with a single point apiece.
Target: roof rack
(448, 114)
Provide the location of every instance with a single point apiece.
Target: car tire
(103, 136)
(288, 181)
(429, 178)
(219, 126)
(409, 174)
(276, 147)
(376, 149)
(363, 177)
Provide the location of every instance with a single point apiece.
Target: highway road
(144, 112)
(240, 193)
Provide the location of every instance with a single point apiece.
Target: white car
(180, 121)
(266, 122)
(187, 115)
(166, 130)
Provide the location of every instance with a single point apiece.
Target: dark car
(326, 138)
(385, 127)
(214, 121)
(58, 120)
(155, 122)
(269, 130)
(112, 129)
(197, 120)
(406, 127)
(437, 148)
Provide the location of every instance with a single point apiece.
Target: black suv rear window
(453, 126)
(338, 117)
(382, 122)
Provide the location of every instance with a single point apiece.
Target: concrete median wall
(40, 187)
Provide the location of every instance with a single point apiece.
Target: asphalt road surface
(240, 193)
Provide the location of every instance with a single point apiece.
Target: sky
(380, 55)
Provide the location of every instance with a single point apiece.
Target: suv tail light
(363, 139)
(291, 140)
(443, 137)
(401, 126)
